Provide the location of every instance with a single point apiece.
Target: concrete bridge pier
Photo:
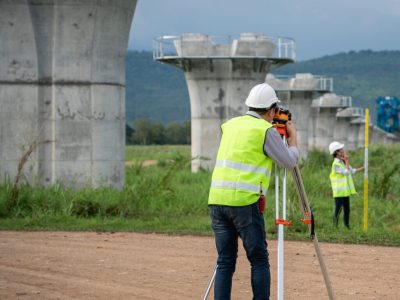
(220, 71)
(215, 96)
(353, 133)
(343, 127)
(62, 83)
(323, 119)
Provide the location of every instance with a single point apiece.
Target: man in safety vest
(249, 144)
(342, 182)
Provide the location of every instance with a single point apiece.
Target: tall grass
(167, 197)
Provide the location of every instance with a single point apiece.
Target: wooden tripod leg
(305, 207)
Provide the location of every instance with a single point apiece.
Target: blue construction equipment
(388, 113)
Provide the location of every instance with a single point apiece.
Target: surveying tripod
(280, 120)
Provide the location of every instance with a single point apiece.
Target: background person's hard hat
(334, 146)
(261, 96)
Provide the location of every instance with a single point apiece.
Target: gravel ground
(89, 265)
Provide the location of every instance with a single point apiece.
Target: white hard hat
(334, 146)
(261, 96)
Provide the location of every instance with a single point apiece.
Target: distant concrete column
(62, 83)
(353, 133)
(220, 72)
(323, 119)
(344, 131)
(297, 93)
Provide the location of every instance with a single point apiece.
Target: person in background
(249, 145)
(342, 182)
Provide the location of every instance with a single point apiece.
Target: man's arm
(343, 170)
(274, 147)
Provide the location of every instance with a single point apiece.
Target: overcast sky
(319, 27)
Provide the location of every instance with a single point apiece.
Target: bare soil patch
(87, 265)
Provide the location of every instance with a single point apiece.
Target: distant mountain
(158, 91)
(154, 90)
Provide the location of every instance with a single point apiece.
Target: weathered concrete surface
(214, 98)
(62, 84)
(323, 119)
(353, 133)
(344, 131)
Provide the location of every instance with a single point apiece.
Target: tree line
(148, 132)
(363, 75)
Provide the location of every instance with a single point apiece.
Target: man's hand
(345, 157)
(360, 169)
(292, 134)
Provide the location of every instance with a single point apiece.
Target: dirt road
(82, 265)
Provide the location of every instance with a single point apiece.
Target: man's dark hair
(263, 109)
(257, 109)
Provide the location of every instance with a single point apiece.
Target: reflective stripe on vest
(235, 185)
(342, 185)
(241, 166)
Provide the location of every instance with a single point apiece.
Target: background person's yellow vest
(241, 163)
(342, 185)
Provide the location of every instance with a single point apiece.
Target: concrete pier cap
(323, 119)
(297, 92)
(220, 71)
(62, 90)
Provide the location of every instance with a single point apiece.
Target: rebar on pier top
(220, 71)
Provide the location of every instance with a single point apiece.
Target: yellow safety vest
(342, 185)
(242, 168)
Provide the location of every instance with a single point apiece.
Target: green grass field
(168, 198)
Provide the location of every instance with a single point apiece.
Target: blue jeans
(246, 222)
